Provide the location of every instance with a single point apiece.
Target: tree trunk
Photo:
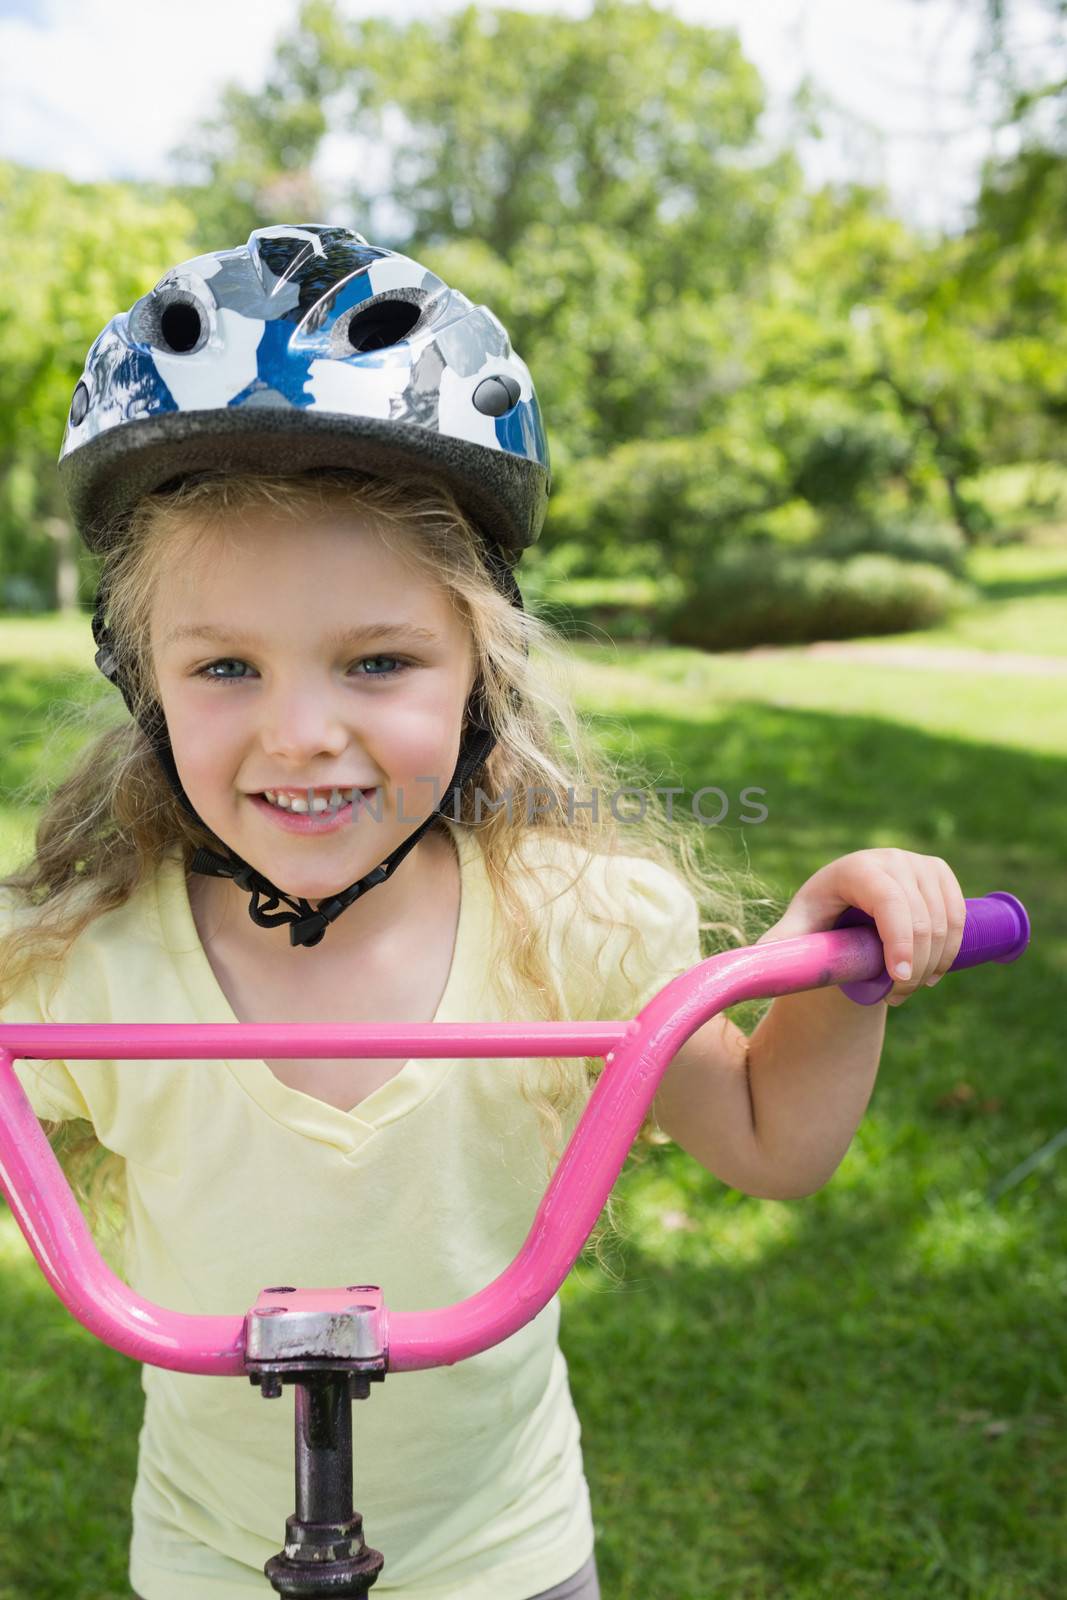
(65, 596)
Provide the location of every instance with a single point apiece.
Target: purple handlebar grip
(997, 929)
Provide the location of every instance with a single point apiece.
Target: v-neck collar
(417, 1079)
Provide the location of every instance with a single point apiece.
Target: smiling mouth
(320, 802)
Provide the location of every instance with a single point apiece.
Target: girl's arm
(773, 1115)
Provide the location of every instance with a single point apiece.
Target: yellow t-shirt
(469, 1478)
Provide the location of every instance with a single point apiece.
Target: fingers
(937, 914)
(955, 918)
(913, 947)
(916, 902)
(895, 910)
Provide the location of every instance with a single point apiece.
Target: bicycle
(333, 1343)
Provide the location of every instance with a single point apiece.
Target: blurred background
(790, 279)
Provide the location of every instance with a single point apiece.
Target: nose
(302, 720)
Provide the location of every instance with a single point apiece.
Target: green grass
(70, 1412)
(859, 1393)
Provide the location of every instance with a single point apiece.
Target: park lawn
(859, 1392)
(862, 1391)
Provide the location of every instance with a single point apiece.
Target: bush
(835, 451)
(23, 594)
(757, 594)
(656, 502)
(586, 608)
(908, 536)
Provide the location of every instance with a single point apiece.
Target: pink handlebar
(637, 1054)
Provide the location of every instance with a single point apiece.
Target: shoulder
(16, 919)
(14, 912)
(48, 1085)
(622, 887)
(105, 956)
(18, 957)
(617, 926)
(110, 971)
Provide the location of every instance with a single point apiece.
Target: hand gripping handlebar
(332, 1343)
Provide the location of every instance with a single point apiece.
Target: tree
(76, 255)
(630, 118)
(598, 181)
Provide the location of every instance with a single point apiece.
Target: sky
(106, 88)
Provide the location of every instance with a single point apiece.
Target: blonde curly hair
(106, 827)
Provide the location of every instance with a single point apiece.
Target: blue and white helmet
(307, 347)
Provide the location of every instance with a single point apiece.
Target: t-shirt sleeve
(643, 932)
(666, 916)
(48, 1085)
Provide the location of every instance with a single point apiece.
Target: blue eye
(209, 671)
(210, 675)
(395, 659)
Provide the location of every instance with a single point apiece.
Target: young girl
(348, 792)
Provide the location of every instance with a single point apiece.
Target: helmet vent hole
(383, 324)
(79, 405)
(180, 325)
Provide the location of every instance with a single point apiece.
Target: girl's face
(296, 655)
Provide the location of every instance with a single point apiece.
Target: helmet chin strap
(307, 923)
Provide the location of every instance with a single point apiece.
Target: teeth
(337, 798)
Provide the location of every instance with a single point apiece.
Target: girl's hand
(916, 902)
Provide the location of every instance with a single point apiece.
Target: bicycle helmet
(307, 348)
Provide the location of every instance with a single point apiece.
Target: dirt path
(951, 659)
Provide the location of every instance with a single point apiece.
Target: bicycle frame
(332, 1343)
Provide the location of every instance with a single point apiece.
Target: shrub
(755, 593)
(651, 502)
(21, 593)
(587, 608)
(837, 452)
(909, 536)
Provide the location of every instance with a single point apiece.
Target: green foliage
(580, 176)
(838, 453)
(667, 500)
(753, 593)
(907, 535)
(75, 254)
(1023, 493)
(718, 353)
